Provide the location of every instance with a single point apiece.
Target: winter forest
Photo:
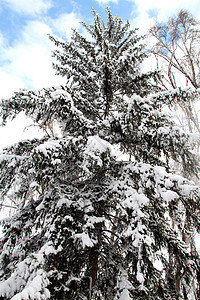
(109, 207)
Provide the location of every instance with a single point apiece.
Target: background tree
(176, 49)
(91, 226)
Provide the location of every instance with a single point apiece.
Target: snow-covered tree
(91, 223)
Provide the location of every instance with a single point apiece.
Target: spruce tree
(89, 223)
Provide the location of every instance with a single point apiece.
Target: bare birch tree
(177, 53)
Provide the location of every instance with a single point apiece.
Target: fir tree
(89, 224)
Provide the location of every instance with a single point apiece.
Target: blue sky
(25, 50)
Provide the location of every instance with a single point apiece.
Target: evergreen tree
(89, 224)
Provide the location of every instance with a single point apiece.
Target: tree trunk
(94, 253)
(108, 92)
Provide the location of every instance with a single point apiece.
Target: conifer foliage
(88, 223)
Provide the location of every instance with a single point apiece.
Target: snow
(59, 93)
(124, 295)
(34, 184)
(84, 239)
(72, 279)
(64, 201)
(91, 220)
(40, 207)
(11, 158)
(163, 130)
(33, 288)
(29, 277)
(168, 183)
(186, 189)
(49, 249)
(96, 144)
(135, 200)
(50, 145)
(123, 286)
(160, 172)
(140, 277)
(169, 196)
(56, 161)
(94, 148)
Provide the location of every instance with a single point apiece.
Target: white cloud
(20, 128)
(64, 24)
(146, 12)
(28, 62)
(106, 1)
(143, 22)
(165, 9)
(9, 83)
(2, 40)
(30, 7)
